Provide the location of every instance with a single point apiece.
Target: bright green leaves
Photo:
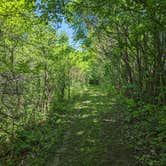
(15, 7)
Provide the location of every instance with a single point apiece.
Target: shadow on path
(93, 136)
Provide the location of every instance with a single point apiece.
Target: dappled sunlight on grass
(86, 102)
(109, 120)
(85, 115)
(95, 121)
(80, 132)
(94, 95)
(89, 134)
(81, 107)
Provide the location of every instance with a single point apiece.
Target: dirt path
(94, 136)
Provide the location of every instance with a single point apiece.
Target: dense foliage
(38, 69)
(123, 51)
(129, 37)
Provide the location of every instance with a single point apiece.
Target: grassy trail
(93, 136)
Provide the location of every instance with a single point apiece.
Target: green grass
(83, 132)
(94, 136)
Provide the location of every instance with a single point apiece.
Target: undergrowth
(145, 128)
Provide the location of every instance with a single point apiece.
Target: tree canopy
(122, 55)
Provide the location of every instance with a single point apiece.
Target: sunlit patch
(59, 121)
(94, 95)
(85, 115)
(109, 120)
(80, 133)
(81, 107)
(95, 120)
(86, 102)
(99, 103)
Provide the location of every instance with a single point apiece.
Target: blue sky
(64, 27)
(70, 32)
